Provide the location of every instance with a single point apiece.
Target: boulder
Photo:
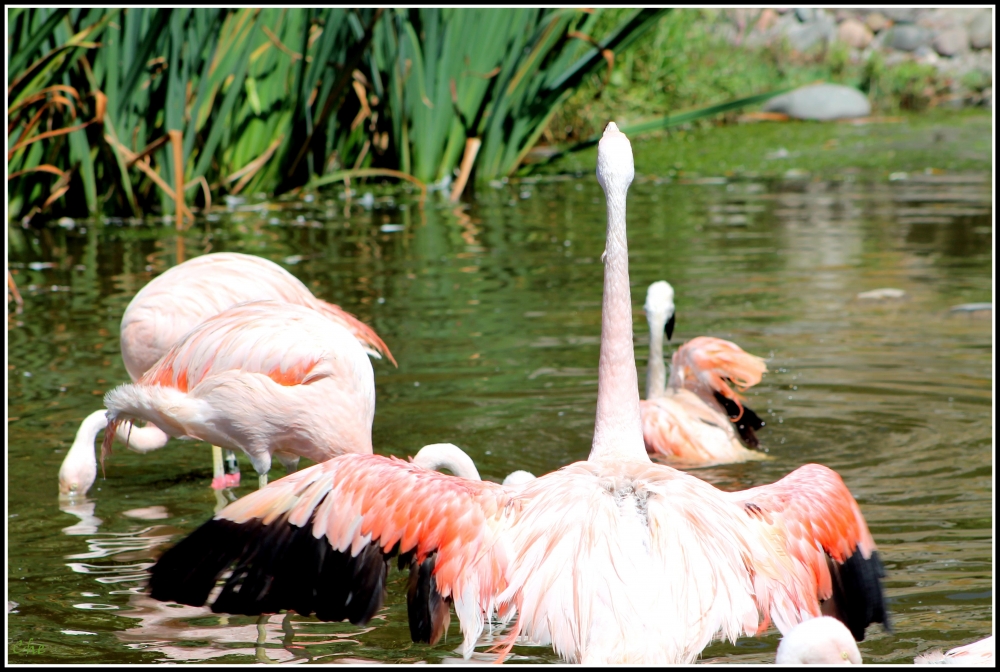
(854, 33)
(821, 102)
(876, 22)
(807, 36)
(900, 14)
(981, 31)
(805, 14)
(908, 37)
(952, 42)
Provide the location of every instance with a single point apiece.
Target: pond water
(493, 311)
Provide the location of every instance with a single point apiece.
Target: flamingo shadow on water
(613, 559)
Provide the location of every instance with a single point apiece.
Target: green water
(493, 311)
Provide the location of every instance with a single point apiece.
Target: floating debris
(883, 293)
(972, 307)
(391, 228)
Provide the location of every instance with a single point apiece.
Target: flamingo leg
(218, 469)
(261, 481)
(220, 501)
(260, 651)
(231, 469)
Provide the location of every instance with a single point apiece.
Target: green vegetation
(935, 140)
(683, 63)
(115, 111)
(124, 110)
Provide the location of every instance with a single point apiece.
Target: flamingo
(826, 641)
(170, 306)
(263, 377)
(437, 456)
(696, 419)
(613, 559)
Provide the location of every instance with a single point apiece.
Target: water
(493, 312)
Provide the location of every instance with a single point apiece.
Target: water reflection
(493, 310)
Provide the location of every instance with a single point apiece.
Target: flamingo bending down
(264, 377)
(437, 456)
(825, 641)
(167, 308)
(696, 419)
(612, 559)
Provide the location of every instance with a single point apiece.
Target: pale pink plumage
(172, 304)
(264, 377)
(610, 560)
(977, 653)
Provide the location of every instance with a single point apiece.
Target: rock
(768, 18)
(952, 42)
(805, 14)
(981, 32)
(988, 98)
(854, 33)
(822, 102)
(806, 36)
(900, 14)
(908, 38)
(876, 21)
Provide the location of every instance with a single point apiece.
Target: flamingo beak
(669, 328)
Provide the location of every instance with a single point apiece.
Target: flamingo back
(184, 296)
(683, 430)
(260, 376)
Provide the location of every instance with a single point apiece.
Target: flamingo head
(518, 477)
(615, 168)
(660, 307)
(77, 474)
(818, 641)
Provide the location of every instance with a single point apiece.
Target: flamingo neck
(448, 456)
(618, 429)
(79, 468)
(656, 370)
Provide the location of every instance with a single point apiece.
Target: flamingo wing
(712, 363)
(834, 567)
(320, 540)
(680, 426)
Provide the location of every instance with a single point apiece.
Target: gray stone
(807, 36)
(988, 98)
(908, 38)
(900, 14)
(822, 102)
(805, 14)
(981, 31)
(952, 42)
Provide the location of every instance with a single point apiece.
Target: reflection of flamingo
(265, 377)
(612, 559)
(685, 421)
(437, 456)
(825, 641)
(167, 308)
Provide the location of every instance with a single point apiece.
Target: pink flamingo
(167, 308)
(826, 641)
(265, 377)
(696, 419)
(613, 559)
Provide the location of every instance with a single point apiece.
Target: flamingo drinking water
(610, 560)
(263, 377)
(696, 419)
(167, 308)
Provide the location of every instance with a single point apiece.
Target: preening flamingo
(265, 377)
(696, 419)
(825, 641)
(167, 308)
(437, 456)
(612, 559)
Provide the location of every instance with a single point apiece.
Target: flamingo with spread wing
(696, 419)
(613, 559)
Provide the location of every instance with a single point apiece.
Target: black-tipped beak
(669, 328)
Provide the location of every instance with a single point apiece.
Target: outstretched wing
(320, 540)
(706, 364)
(811, 513)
